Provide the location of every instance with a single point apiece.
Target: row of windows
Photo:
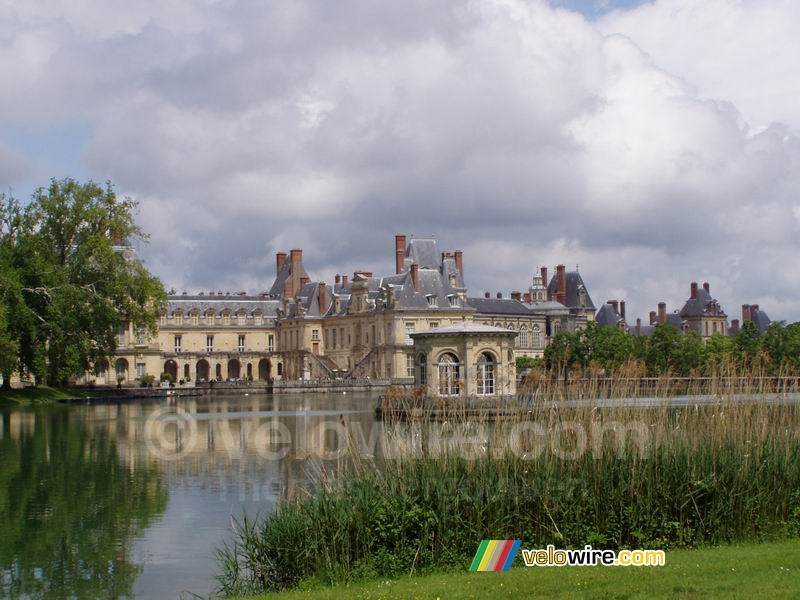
(194, 319)
(449, 373)
(242, 345)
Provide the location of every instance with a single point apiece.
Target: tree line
(69, 279)
(683, 354)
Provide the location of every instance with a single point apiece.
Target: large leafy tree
(71, 277)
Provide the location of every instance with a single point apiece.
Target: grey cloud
(521, 134)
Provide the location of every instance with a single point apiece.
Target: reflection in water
(69, 508)
(88, 511)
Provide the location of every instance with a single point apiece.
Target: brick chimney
(735, 326)
(499, 295)
(615, 305)
(516, 296)
(528, 298)
(745, 313)
(415, 275)
(652, 317)
(753, 311)
(662, 312)
(543, 271)
(344, 280)
(487, 295)
(622, 309)
(280, 258)
(399, 252)
(693, 291)
(561, 298)
(303, 282)
(561, 278)
(338, 279)
(638, 326)
(707, 287)
(322, 299)
(460, 261)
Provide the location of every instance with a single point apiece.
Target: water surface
(88, 510)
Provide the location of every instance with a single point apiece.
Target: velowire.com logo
(495, 555)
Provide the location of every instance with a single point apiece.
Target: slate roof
(276, 291)
(574, 283)
(219, 303)
(699, 306)
(760, 318)
(607, 316)
(499, 306)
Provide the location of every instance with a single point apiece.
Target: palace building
(356, 328)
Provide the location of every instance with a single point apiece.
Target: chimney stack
(693, 291)
(528, 298)
(322, 299)
(344, 280)
(499, 295)
(745, 313)
(622, 309)
(487, 295)
(662, 312)
(460, 261)
(615, 305)
(753, 311)
(735, 326)
(561, 278)
(638, 327)
(303, 282)
(415, 275)
(707, 287)
(652, 317)
(280, 258)
(516, 295)
(338, 279)
(544, 276)
(399, 252)
(561, 298)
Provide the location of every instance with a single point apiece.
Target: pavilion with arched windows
(466, 359)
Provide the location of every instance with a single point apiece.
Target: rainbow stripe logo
(495, 555)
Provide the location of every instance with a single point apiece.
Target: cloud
(523, 134)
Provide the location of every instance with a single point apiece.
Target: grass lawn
(41, 394)
(770, 570)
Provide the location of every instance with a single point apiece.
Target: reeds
(610, 462)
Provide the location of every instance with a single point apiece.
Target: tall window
(449, 373)
(140, 370)
(178, 343)
(522, 338)
(409, 365)
(333, 338)
(537, 337)
(209, 343)
(423, 369)
(315, 335)
(241, 342)
(486, 374)
(271, 343)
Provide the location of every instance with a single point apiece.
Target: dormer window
(452, 300)
(431, 298)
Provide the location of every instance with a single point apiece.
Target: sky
(649, 143)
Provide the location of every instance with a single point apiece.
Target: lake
(97, 501)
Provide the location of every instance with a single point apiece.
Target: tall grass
(721, 470)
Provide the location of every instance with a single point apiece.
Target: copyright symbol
(184, 436)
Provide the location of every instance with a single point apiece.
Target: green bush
(167, 377)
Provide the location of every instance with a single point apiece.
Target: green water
(88, 511)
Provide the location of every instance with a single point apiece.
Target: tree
(662, 348)
(73, 277)
(564, 351)
(608, 347)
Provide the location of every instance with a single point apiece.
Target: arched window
(522, 338)
(449, 373)
(537, 337)
(486, 374)
(423, 369)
